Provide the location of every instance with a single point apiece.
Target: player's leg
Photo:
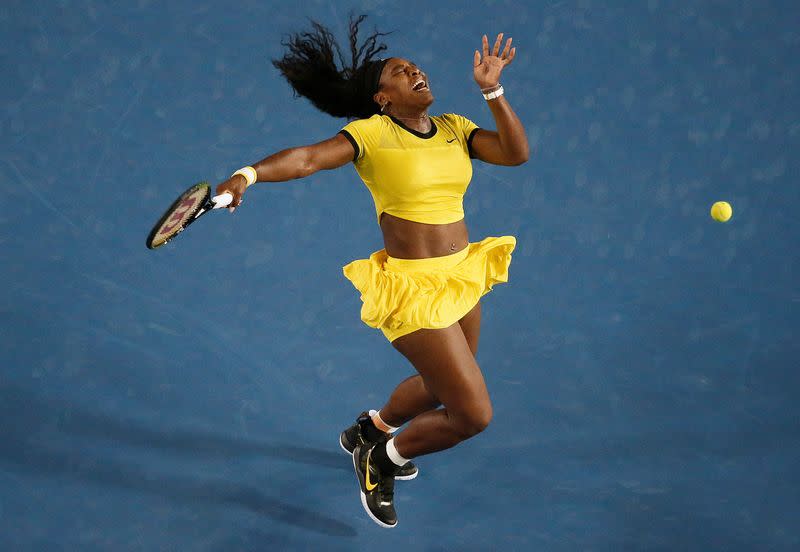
(447, 365)
(471, 326)
(408, 400)
(445, 361)
(412, 397)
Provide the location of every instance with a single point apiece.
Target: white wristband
(249, 174)
(495, 94)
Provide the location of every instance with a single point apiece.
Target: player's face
(405, 85)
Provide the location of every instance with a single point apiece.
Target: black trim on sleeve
(469, 142)
(353, 143)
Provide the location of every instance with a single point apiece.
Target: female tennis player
(423, 289)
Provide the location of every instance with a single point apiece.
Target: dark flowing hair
(310, 67)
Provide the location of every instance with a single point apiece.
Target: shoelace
(386, 488)
(385, 485)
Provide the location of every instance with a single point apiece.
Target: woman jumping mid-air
(423, 289)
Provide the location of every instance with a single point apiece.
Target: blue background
(642, 360)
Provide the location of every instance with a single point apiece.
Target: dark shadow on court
(23, 448)
(72, 420)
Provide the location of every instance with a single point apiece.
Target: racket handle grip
(222, 200)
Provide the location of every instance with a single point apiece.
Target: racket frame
(208, 203)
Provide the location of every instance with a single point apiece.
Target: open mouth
(420, 85)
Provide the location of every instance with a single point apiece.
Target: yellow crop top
(411, 175)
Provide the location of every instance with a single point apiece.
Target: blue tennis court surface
(642, 360)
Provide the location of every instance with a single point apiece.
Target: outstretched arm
(509, 144)
(292, 163)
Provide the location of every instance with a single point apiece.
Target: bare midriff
(405, 239)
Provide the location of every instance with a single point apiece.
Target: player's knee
(475, 420)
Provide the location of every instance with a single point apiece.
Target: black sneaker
(354, 436)
(377, 489)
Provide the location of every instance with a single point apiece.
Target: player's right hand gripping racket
(190, 206)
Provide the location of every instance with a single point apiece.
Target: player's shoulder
(447, 117)
(452, 116)
(373, 123)
(455, 122)
(452, 119)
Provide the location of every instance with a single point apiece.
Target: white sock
(393, 455)
(379, 423)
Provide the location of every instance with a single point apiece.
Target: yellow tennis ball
(721, 211)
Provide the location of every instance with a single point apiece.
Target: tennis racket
(190, 206)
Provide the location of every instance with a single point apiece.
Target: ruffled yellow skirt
(404, 295)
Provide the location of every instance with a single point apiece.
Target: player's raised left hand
(487, 67)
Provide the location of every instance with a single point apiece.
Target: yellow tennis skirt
(401, 296)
